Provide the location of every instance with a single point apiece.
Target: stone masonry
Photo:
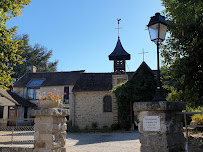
(89, 109)
(169, 138)
(50, 130)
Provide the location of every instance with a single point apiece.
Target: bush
(74, 129)
(126, 125)
(199, 118)
(115, 126)
(191, 109)
(94, 125)
(105, 127)
(86, 127)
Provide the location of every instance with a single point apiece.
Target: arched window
(107, 104)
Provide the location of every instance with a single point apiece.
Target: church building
(93, 101)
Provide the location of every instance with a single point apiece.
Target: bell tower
(119, 56)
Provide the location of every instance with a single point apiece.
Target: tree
(183, 51)
(9, 52)
(38, 56)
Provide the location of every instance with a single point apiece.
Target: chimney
(33, 69)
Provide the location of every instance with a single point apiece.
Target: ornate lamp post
(157, 29)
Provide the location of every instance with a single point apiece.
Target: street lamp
(157, 30)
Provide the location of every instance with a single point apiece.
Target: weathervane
(118, 26)
(143, 52)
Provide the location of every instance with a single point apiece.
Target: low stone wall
(15, 149)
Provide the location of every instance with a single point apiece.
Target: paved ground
(103, 142)
(92, 142)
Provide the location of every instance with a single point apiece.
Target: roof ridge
(58, 72)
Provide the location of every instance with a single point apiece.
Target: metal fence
(187, 126)
(17, 134)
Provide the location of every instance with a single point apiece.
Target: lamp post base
(158, 96)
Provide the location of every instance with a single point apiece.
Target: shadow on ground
(93, 138)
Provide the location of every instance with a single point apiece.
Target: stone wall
(89, 109)
(15, 149)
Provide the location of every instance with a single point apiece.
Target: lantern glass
(157, 32)
(162, 32)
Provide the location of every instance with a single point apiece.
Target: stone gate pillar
(160, 127)
(50, 130)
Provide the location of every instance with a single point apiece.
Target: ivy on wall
(141, 87)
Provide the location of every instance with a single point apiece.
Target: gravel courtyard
(103, 142)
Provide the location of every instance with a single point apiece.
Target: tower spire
(118, 19)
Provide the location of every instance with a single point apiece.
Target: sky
(81, 33)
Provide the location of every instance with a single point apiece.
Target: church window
(107, 104)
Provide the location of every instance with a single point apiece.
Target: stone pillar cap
(51, 112)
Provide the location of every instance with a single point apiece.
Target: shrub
(94, 125)
(86, 127)
(191, 109)
(115, 126)
(199, 118)
(126, 125)
(105, 127)
(75, 128)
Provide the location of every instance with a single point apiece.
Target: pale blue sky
(82, 33)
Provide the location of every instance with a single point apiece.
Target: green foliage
(38, 56)
(125, 124)
(191, 109)
(183, 50)
(115, 127)
(74, 128)
(141, 87)
(94, 125)
(199, 118)
(175, 95)
(10, 55)
(11, 8)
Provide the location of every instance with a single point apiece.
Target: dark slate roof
(21, 101)
(51, 78)
(119, 53)
(144, 65)
(102, 81)
(95, 82)
(16, 99)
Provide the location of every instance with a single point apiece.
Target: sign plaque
(151, 123)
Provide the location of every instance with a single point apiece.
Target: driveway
(103, 142)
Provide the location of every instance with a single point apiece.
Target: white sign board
(151, 123)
